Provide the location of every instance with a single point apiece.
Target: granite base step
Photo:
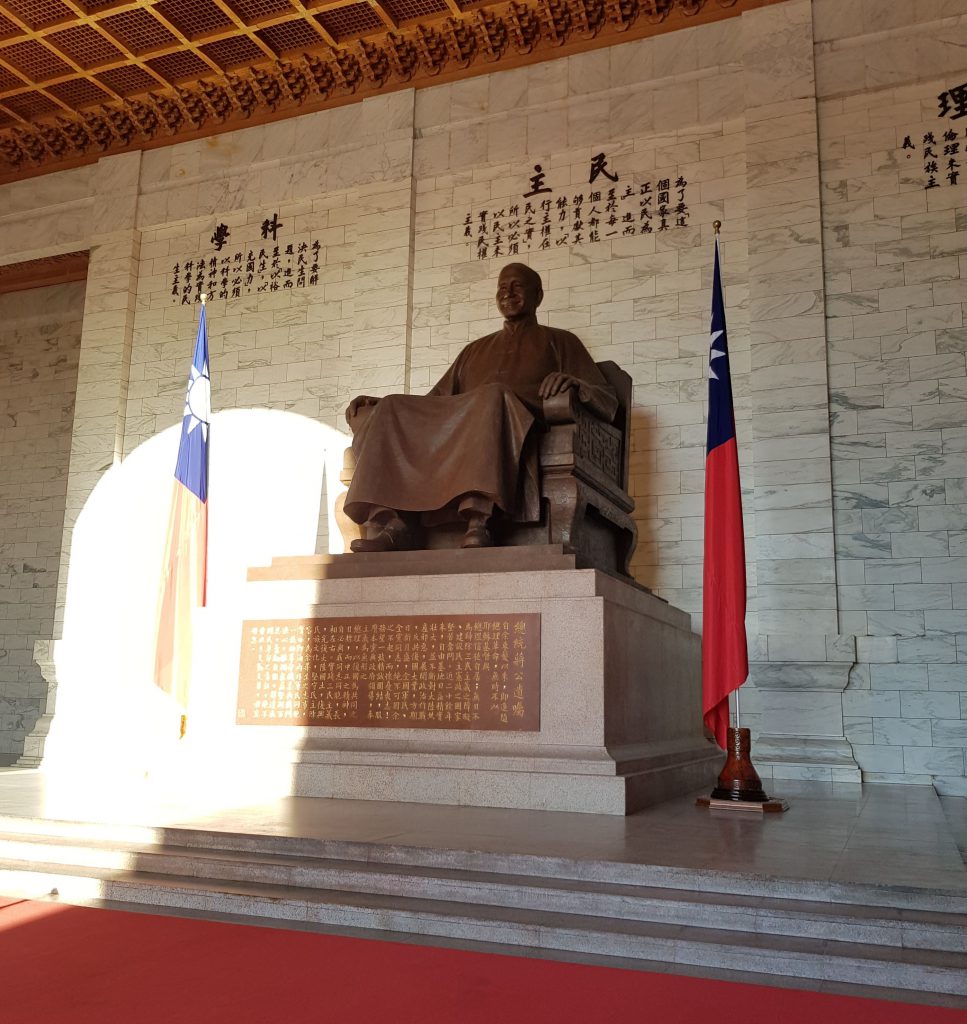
(908, 928)
(868, 935)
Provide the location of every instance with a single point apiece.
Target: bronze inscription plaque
(404, 672)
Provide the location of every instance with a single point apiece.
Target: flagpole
(717, 228)
(739, 786)
(183, 724)
(184, 572)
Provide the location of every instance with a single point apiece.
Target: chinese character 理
(955, 100)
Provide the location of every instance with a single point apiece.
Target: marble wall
(896, 280)
(843, 293)
(39, 341)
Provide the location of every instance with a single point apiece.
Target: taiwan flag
(725, 659)
(186, 548)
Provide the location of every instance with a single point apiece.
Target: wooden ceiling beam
(61, 269)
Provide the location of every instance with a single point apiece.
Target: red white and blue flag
(186, 548)
(725, 659)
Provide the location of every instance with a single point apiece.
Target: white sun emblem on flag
(714, 353)
(198, 403)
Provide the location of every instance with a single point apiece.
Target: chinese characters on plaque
(409, 672)
(543, 218)
(276, 264)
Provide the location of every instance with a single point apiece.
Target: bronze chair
(584, 478)
(585, 506)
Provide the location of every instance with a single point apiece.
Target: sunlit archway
(273, 484)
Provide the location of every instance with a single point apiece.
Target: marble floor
(903, 836)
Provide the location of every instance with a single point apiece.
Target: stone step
(784, 955)
(875, 925)
(692, 880)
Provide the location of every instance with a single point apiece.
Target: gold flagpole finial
(716, 224)
(204, 296)
(183, 727)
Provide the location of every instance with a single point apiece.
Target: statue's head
(519, 291)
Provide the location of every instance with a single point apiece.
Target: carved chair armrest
(562, 407)
(567, 407)
(580, 441)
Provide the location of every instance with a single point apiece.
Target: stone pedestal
(620, 706)
(800, 707)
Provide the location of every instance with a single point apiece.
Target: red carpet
(72, 965)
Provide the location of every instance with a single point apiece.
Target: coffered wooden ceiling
(80, 78)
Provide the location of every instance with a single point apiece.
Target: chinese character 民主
(599, 165)
(537, 183)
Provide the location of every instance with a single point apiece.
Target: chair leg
(566, 509)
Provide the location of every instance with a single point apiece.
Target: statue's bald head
(519, 291)
(528, 272)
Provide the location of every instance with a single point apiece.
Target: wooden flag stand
(739, 786)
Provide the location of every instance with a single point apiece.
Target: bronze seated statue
(524, 440)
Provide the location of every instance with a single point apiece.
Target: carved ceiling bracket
(525, 27)
(491, 35)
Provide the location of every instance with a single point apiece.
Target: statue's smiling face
(518, 293)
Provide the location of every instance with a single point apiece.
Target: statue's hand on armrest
(359, 402)
(564, 394)
(555, 383)
(559, 392)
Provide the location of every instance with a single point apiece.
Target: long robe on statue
(472, 433)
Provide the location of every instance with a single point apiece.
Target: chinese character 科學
(271, 227)
(220, 236)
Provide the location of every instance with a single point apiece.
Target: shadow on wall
(267, 476)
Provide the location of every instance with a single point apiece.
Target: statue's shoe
(477, 536)
(385, 540)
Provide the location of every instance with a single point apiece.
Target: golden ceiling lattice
(79, 78)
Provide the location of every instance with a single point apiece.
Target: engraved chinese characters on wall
(940, 154)
(278, 262)
(609, 207)
(409, 672)
(941, 151)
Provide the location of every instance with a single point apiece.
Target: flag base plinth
(739, 786)
(767, 806)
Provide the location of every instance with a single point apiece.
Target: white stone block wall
(896, 285)
(39, 341)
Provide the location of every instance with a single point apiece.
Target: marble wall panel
(40, 335)
(898, 302)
